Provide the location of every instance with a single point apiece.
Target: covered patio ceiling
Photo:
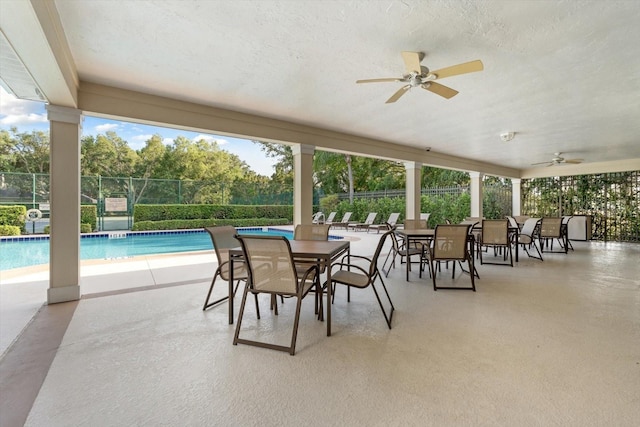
(563, 76)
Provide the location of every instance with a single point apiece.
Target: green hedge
(9, 230)
(89, 215)
(180, 224)
(13, 215)
(84, 228)
(173, 212)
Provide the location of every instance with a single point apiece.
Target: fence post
(33, 190)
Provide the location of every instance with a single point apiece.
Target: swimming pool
(26, 251)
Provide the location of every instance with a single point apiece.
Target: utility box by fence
(580, 227)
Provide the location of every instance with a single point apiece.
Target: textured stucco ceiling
(563, 75)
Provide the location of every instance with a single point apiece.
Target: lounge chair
(318, 218)
(344, 222)
(367, 222)
(393, 219)
(330, 218)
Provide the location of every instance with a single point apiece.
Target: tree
(28, 151)
(436, 177)
(107, 155)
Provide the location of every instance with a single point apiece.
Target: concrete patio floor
(543, 343)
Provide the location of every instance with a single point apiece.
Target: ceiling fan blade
(574, 161)
(438, 89)
(454, 70)
(398, 94)
(542, 163)
(390, 79)
(412, 62)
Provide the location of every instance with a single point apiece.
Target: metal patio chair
(223, 238)
(362, 272)
(450, 243)
(272, 271)
(399, 248)
(495, 234)
(551, 229)
(528, 235)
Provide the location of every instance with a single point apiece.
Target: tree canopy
(109, 155)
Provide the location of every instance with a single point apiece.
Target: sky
(28, 116)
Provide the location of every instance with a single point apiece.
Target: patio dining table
(322, 252)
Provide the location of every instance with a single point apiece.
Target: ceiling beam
(115, 103)
(34, 30)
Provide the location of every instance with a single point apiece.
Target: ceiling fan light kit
(419, 76)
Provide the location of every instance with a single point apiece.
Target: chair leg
(524, 246)
(392, 264)
(389, 317)
(240, 314)
(206, 301)
(294, 334)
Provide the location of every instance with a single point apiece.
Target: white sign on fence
(115, 204)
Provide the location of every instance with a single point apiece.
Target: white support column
(413, 187)
(64, 244)
(516, 197)
(476, 194)
(302, 183)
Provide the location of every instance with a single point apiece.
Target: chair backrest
(331, 217)
(425, 216)
(271, 267)
(550, 227)
(450, 241)
(412, 224)
(512, 222)
(521, 219)
(370, 218)
(373, 268)
(495, 231)
(566, 219)
(529, 227)
(311, 232)
(393, 218)
(471, 222)
(346, 217)
(223, 238)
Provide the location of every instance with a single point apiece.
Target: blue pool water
(28, 251)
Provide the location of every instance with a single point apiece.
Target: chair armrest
(342, 264)
(316, 272)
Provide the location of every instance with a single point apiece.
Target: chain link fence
(612, 200)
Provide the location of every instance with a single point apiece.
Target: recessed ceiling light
(507, 136)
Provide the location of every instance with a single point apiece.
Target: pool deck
(543, 343)
(23, 291)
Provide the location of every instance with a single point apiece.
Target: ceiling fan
(558, 160)
(419, 76)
